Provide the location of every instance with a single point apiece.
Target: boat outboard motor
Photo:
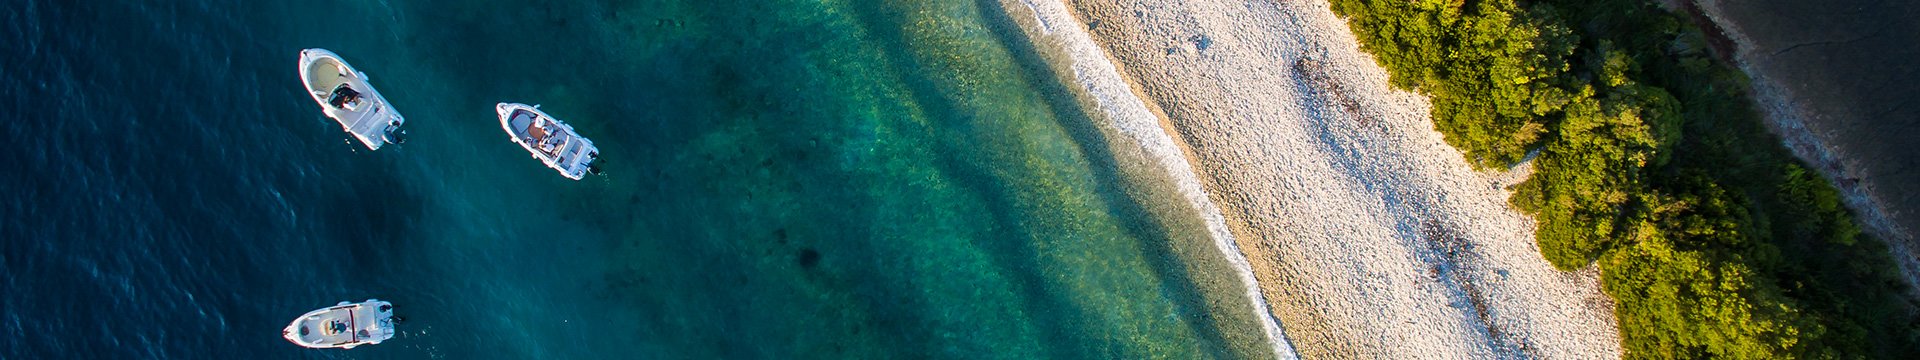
(593, 168)
(393, 133)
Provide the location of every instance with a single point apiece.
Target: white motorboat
(549, 139)
(344, 95)
(343, 326)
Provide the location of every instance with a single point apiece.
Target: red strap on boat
(352, 326)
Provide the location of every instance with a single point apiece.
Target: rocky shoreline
(1837, 81)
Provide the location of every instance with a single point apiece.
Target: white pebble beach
(1357, 228)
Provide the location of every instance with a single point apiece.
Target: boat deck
(342, 325)
(367, 117)
(553, 142)
(533, 130)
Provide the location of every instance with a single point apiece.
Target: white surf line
(1129, 115)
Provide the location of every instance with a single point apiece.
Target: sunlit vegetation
(1711, 238)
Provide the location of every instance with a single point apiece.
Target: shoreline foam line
(1129, 115)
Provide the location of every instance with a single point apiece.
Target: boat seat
(345, 97)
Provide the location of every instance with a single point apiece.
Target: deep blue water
(786, 179)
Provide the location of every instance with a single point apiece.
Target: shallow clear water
(820, 179)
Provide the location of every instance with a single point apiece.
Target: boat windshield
(343, 95)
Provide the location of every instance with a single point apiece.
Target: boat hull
(343, 326)
(549, 140)
(345, 96)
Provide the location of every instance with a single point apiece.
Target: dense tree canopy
(1713, 241)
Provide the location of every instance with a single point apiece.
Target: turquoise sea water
(816, 179)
